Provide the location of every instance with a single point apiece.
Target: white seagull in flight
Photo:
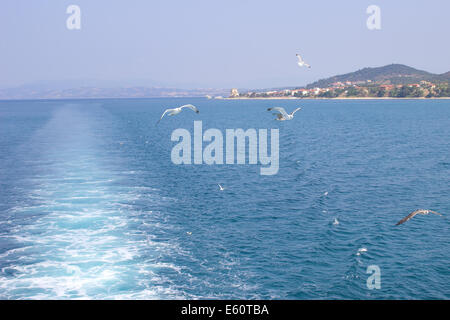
(174, 111)
(302, 63)
(414, 213)
(282, 114)
(220, 187)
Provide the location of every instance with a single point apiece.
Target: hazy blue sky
(212, 43)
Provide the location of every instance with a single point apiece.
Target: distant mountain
(445, 76)
(390, 74)
(89, 92)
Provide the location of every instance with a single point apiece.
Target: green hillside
(390, 74)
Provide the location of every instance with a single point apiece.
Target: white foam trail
(74, 240)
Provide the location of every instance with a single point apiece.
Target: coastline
(338, 98)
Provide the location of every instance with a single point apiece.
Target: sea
(93, 207)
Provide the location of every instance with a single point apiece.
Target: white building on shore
(234, 93)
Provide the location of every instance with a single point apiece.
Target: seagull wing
(299, 57)
(416, 212)
(167, 110)
(409, 216)
(280, 110)
(190, 106)
(295, 111)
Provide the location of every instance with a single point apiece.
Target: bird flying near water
(416, 212)
(301, 62)
(174, 111)
(282, 114)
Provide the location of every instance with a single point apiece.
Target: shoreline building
(234, 93)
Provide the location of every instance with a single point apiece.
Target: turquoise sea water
(91, 205)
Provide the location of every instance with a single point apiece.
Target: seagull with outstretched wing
(174, 111)
(301, 62)
(282, 115)
(416, 212)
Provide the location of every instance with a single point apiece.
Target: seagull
(220, 187)
(419, 211)
(302, 63)
(283, 115)
(361, 250)
(174, 111)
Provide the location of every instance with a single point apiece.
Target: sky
(214, 44)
